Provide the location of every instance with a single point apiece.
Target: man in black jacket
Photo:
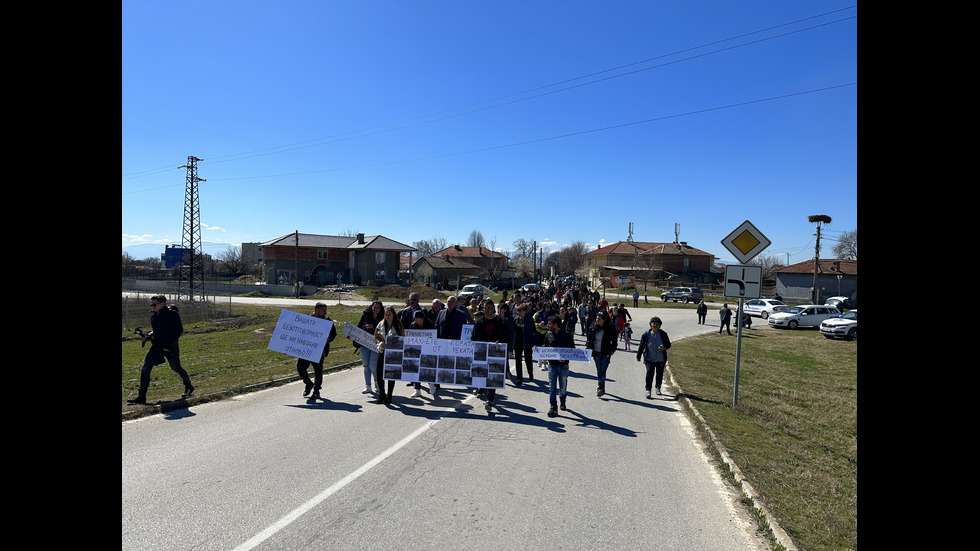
(302, 365)
(167, 328)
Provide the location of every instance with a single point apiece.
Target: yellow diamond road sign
(746, 242)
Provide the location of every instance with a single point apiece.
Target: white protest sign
(358, 335)
(570, 354)
(300, 335)
(430, 333)
(423, 359)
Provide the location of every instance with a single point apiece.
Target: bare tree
(769, 264)
(493, 265)
(572, 257)
(476, 239)
(847, 245)
(428, 247)
(232, 261)
(523, 247)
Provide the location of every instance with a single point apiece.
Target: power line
(545, 139)
(471, 108)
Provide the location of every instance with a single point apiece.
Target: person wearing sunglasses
(167, 328)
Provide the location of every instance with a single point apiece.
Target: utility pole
(296, 263)
(818, 219)
(192, 254)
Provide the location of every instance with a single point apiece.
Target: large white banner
(422, 359)
(300, 335)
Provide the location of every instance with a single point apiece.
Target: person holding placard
(390, 325)
(557, 369)
(490, 328)
(370, 319)
(303, 365)
(420, 321)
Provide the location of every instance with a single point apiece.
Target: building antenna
(190, 273)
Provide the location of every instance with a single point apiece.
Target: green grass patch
(793, 432)
(227, 354)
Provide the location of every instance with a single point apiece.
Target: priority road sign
(746, 242)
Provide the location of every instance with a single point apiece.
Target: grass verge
(793, 432)
(226, 356)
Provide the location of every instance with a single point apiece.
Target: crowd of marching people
(546, 317)
(541, 317)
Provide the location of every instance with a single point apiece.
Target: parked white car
(844, 326)
(763, 307)
(810, 315)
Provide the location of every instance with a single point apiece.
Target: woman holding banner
(390, 325)
(370, 319)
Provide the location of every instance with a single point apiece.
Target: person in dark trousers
(490, 328)
(525, 339)
(557, 369)
(166, 329)
(420, 321)
(726, 319)
(303, 365)
(653, 352)
(702, 312)
(390, 325)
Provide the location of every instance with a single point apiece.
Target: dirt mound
(397, 291)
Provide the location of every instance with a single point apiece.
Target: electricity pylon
(190, 274)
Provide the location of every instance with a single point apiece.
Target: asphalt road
(269, 471)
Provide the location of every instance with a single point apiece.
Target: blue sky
(554, 121)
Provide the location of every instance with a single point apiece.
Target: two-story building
(640, 260)
(328, 259)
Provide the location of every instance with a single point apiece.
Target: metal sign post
(742, 281)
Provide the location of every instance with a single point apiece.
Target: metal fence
(136, 310)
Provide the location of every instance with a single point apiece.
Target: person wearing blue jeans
(602, 340)
(557, 369)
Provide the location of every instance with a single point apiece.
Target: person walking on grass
(166, 329)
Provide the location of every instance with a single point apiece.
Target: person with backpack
(167, 328)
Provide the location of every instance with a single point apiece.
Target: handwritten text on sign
(300, 335)
(570, 354)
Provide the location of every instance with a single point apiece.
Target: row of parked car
(831, 317)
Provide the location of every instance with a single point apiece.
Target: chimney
(360, 239)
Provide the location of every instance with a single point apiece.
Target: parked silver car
(472, 291)
(810, 315)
